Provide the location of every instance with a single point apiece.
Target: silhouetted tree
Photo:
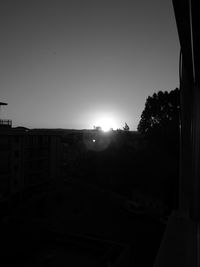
(160, 118)
(159, 125)
(126, 127)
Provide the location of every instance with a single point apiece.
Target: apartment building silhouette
(29, 159)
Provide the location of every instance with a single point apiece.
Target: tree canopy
(160, 117)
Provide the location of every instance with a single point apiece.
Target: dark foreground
(79, 225)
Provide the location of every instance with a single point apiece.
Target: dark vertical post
(185, 144)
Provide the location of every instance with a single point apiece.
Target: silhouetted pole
(185, 190)
(188, 30)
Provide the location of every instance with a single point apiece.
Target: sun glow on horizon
(106, 123)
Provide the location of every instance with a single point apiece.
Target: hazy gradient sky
(68, 63)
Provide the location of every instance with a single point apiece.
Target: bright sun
(106, 123)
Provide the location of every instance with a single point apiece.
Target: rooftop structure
(4, 123)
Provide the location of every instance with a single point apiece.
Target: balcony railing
(7, 123)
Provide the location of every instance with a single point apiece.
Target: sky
(76, 63)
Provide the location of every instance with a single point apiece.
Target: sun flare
(106, 123)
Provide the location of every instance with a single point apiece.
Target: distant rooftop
(3, 104)
(5, 123)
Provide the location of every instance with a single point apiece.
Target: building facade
(29, 159)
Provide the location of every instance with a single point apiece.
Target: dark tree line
(160, 118)
(160, 126)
